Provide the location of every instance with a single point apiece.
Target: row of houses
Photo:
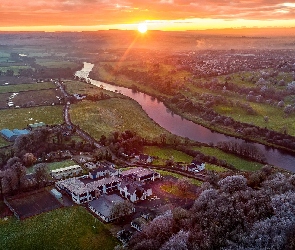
(66, 172)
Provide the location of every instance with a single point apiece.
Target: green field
(26, 87)
(65, 228)
(20, 118)
(77, 87)
(236, 161)
(277, 120)
(14, 68)
(51, 63)
(179, 176)
(107, 116)
(165, 154)
(215, 168)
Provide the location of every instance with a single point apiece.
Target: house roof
(131, 186)
(139, 172)
(12, 134)
(7, 133)
(76, 186)
(140, 222)
(20, 131)
(105, 203)
(197, 163)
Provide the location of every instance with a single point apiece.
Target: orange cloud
(102, 12)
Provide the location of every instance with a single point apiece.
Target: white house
(143, 158)
(134, 190)
(196, 166)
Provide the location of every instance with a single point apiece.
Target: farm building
(11, 135)
(141, 174)
(20, 131)
(103, 206)
(66, 172)
(81, 192)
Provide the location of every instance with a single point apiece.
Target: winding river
(177, 125)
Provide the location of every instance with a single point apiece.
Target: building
(196, 166)
(82, 192)
(103, 206)
(141, 174)
(11, 135)
(103, 171)
(138, 223)
(143, 158)
(134, 190)
(70, 171)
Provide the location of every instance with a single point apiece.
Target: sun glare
(142, 27)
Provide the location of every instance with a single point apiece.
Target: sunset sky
(77, 15)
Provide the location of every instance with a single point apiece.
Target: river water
(177, 125)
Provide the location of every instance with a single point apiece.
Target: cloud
(95, 12)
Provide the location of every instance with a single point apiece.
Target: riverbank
(177, 125)
(226, 130)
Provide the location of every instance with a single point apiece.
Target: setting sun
(142, 27)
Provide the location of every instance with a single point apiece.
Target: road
(68, 121)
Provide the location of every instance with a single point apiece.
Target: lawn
(174, 189)
(20, 118)
(179, 176)
(27, 87)
(65, 228)
(107, 116)
(236, 161)
(164, 154)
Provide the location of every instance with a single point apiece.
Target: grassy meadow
(65, 228)
(163, 154)
(50, 63)
(20, 118)
(27, 87)
(236, 161)
(77, 87)
(107, 116)
(179, 176)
